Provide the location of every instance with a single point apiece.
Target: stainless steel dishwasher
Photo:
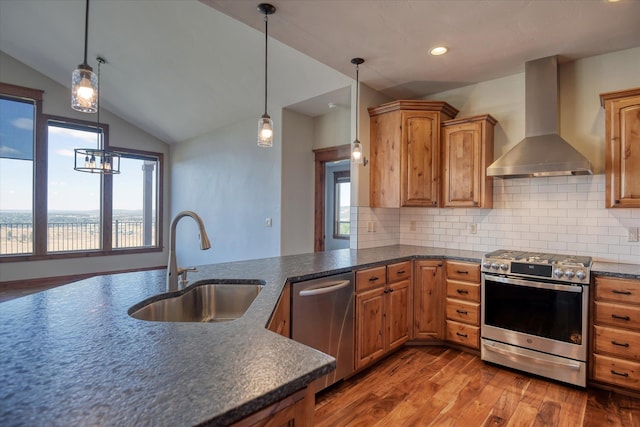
(322, 317)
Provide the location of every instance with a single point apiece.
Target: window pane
(17, 139)
(134, 203)
(342, 206)
(73, 210)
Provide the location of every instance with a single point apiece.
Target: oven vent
(542, 152)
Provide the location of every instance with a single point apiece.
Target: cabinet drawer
(371, 278)
(398, 272)
(616, 371)
(618, 290)
(463, 290)
(462, 311)
(617, 341)
(466, 271)
(622, 315)
(462, 334)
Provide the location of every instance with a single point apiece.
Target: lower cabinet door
(397, 313)
(370, 326)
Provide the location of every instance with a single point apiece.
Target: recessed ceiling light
(438, 50)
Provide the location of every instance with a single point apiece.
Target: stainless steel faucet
(173, 271)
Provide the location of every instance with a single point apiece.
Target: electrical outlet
(632, 234)
(473, 229)
(412, 226)
(267, 222)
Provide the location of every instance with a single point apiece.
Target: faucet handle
(182, 273)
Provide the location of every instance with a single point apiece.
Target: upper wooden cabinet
(405, 153)
(467, 151)
(622, 158)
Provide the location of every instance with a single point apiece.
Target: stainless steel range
(534, 313)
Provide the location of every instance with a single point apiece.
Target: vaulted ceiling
(181, 68)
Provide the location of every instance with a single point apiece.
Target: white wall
(122, 134)
(559, 214)
(297, 183)
(234, 185)
(332, 129)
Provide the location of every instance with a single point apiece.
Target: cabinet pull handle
(462, 272)
(462, 291)
(439, 264)
(616, 316)
(620, 344)
(401, 271)
(622, 374)
(390, 290)
(373, 278)
(462, 335)
(615, 291)
(462, 311)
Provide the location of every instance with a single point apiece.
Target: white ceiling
(179, 68)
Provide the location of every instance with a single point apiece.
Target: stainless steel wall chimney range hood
(542, 152)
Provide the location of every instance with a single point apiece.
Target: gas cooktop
(563, 268)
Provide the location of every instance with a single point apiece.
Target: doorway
(332, 198)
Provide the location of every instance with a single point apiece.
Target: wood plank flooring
(438, 386)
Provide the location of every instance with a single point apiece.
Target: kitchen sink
(201, 302)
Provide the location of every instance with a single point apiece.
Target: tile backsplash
(553, 214)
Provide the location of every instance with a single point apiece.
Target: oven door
(536, 315)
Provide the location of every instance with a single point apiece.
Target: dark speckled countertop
(73, 356)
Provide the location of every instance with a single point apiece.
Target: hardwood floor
(437, 386)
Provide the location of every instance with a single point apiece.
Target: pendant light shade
(265, 124)
(84, 83)
(97, 160)
(357, 156)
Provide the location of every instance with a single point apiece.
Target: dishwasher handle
(325, 288)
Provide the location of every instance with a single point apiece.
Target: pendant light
(357, 156)
(84, 83)
(265, 124)
(97, 160)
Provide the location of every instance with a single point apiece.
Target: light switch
(267, 222)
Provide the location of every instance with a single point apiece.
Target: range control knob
(504, 267)
(569, 274)
(486, 264)
(495, 266)
(558, 272)
(581, 274)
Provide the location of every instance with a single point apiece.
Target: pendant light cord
(266, 42)
(357, 96)
(86, 31)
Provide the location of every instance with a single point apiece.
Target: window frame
(339, 178)
(40, 190)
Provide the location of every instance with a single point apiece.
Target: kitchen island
(73, 356)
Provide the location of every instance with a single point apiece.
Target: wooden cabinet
(616, 332)
(294, 410)
(622, 156)
(428, 300)
(280, 321)
(467, 151)
(383, 301)
(463, 304)
(405, 153)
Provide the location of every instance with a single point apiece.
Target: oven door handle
(494, 347)
(528, 283)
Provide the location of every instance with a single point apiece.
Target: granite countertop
(73, 356)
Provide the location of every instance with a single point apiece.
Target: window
(47, 209)
(18, 110)
(342, 204)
